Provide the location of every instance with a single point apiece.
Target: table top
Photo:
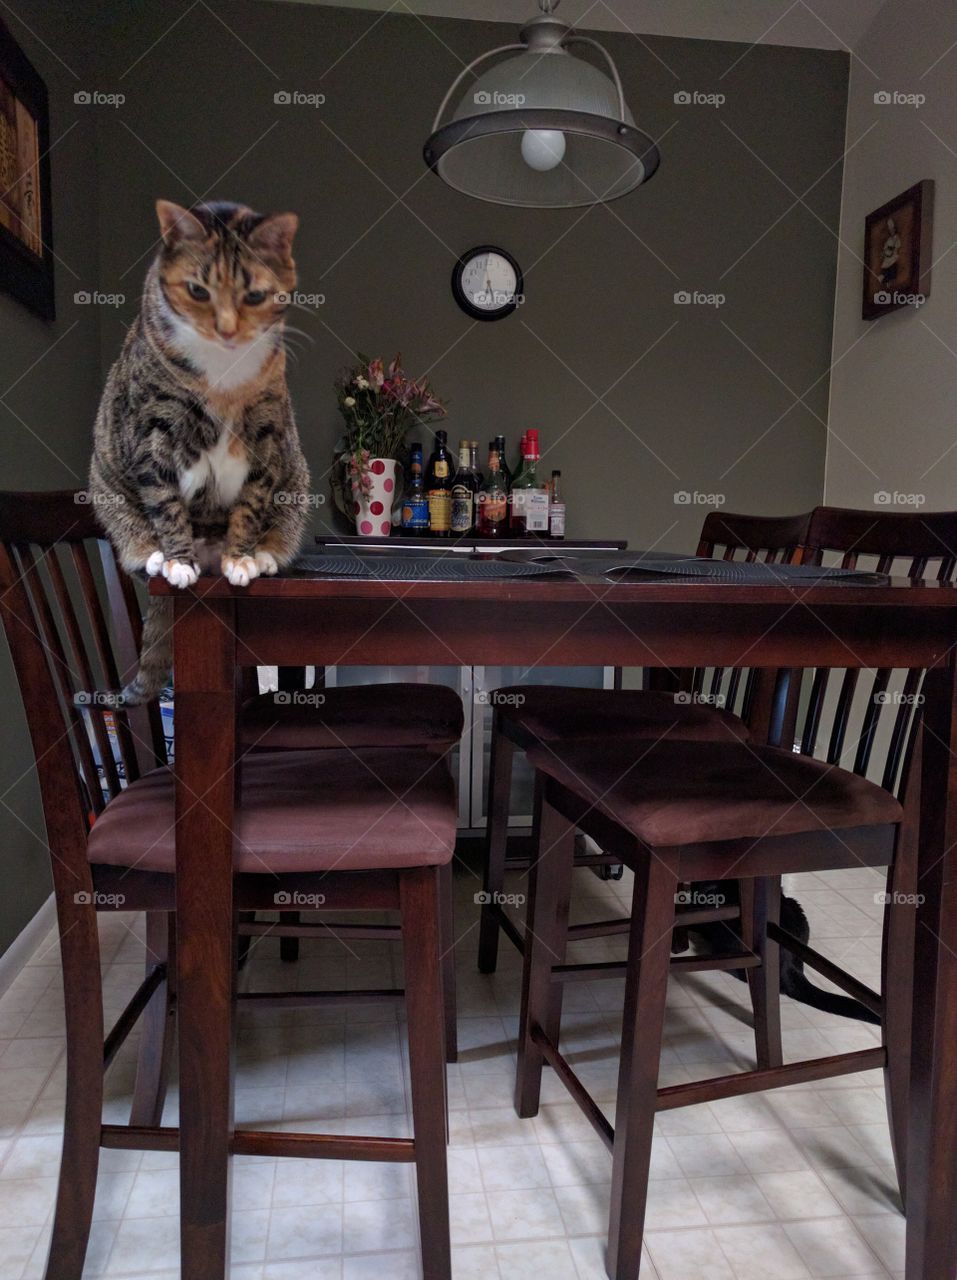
(314, 585)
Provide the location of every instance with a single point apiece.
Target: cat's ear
(274, 235)
(177, 223)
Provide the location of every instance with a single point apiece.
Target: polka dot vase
(373, 510)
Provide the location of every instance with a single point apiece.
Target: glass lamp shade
(500, 143)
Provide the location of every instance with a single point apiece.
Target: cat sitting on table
(196, 458)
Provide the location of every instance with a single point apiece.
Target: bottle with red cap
(529, 496)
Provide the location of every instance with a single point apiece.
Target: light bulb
(543, 149)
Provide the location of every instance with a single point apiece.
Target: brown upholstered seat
(676, 793)
(300, 811)
(372, 715)
(546, 713)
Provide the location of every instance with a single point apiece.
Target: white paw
(266, 563)
(154, 564)
(240, 570)
(179, 574)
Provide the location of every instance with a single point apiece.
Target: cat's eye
(255, 296)
(198, 292)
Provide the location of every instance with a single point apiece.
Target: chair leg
(447, 909)
(159, 1023)
(496, 844)
(549, 893)
(760, 903)
(420, 900)
(646, 987)
(289, 947)
(83, 1117)
(897, 964)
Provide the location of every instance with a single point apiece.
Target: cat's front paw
(239, 571)
(266, 563)
(180, 573)
(154, 565)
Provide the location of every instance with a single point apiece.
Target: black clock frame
(462, 298)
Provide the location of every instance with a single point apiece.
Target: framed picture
(897, 252)
(26, 233)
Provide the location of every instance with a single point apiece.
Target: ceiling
(818, 24)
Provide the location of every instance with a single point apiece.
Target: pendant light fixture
(543, 128)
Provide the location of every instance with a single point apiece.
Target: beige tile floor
(783, 1186)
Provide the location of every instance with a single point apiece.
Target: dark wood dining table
(306, 618)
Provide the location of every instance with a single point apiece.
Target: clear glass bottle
(464, 488)
(556, 507)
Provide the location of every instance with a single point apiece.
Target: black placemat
(406, 568)
(609, 568)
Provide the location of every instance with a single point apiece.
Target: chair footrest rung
(811, 1069)
(306, 999)
(256, 1142)
(589, 1107)
(130, 1016)
(319, 929)
(721, 960)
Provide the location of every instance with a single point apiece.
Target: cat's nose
(227, 323)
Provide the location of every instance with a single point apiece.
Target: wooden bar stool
(357, 830)
(400, 716)
(693, 811)
(719, 705)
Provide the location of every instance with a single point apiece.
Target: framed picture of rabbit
(26, 236)
(897, 252)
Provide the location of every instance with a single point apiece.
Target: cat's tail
(799, 987)
(156, 654)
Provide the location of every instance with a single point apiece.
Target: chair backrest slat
(765, 539)
(872, 714)
(107, 658)
(73, 628)
(65, 680)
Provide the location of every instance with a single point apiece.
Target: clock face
(487, 283)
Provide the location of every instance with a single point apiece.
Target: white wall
(893, 411)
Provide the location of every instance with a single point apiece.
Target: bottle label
(441, 467)
(415, 513)
(462, 511)
(531, 506)
(556, 520)
(493, 510)
(440, 510)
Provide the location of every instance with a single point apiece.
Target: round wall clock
(487, 283)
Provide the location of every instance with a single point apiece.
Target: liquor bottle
(499, 444)
(556, 507)
(438, 488)
(529, 497)
(464, 489)
(473, 463)
(493, 501)
(415, 505)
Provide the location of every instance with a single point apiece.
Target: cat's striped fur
(196, 459)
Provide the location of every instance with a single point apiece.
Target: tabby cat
(196, 459)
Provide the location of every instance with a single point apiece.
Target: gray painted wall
(695, 397)
(49, 386)
(637, 398)
(894, 384)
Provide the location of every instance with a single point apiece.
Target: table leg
(205, 673)
(932, 1151)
